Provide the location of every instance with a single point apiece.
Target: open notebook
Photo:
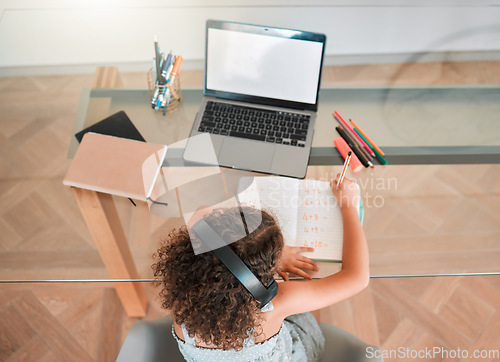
(306, 210)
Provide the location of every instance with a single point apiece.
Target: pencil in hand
(346, 164)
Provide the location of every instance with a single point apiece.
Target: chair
(343, 346)
(151, 341)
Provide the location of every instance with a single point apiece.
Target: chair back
(152, 341)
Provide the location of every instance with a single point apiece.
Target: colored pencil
(367, 138)
(379, 156)
(354, 147)
(362, 149)
(346, 164)
(355, 135)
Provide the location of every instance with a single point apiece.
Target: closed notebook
(116, 166)
(118, 125)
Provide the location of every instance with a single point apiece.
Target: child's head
(202, 293)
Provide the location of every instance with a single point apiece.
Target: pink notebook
(116, 166)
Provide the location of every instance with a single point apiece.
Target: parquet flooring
(451, 313)
(41, 229)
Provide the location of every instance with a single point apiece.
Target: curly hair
(202, 293)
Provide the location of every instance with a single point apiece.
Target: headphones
(235, 265)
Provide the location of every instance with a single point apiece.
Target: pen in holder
(164, 97)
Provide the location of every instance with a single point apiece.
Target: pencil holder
(159, 94)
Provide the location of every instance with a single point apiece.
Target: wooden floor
(42, 231)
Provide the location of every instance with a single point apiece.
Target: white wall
(56, 36)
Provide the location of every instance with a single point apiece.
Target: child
(217, 319)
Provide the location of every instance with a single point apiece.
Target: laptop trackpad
(246, 154)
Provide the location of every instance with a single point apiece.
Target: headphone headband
(235, 265)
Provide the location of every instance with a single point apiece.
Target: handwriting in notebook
(307, 212)
(319, 225)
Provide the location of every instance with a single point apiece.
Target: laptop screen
(263, 65)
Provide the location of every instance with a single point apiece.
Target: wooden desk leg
(101, 217)
(107, 77)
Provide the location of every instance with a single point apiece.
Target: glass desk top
(413, 125)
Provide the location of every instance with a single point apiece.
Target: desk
(410, 223)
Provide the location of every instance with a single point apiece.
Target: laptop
(260, 98)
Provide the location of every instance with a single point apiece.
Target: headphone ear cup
(272, 290)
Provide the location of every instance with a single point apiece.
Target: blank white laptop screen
(263, 65)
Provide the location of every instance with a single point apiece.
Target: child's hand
(347, 194)
(291, 261)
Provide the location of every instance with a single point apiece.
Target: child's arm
(308, 295)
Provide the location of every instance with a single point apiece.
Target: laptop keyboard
(255, 123)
